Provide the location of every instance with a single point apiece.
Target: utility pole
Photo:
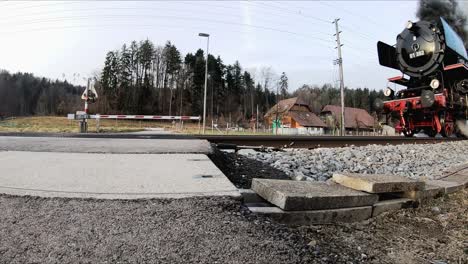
(256, 120)
(207, 36)
(277, 110)
(339, 61)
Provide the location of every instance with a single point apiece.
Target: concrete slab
(305, 195)
(459, 178)
(249, 196)
(430, 191)
(448, 186)
(377, 183)
(353, 214)
(390, 206)
(112, 176)
(105, 145)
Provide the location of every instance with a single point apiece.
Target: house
(296, 117)
(356, 119)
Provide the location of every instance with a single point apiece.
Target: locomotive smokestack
(431, 10)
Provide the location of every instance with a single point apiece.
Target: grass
(59, 124)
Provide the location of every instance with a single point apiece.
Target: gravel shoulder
(195, 230)
(436, 232)
(413, 161)
(221, 230)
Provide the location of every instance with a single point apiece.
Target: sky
(70, 39)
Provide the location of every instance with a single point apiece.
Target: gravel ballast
(413, 161)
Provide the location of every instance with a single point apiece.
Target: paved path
(111, 176)
(104, 145)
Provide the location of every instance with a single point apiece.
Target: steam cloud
(463, 127)
(431, 10)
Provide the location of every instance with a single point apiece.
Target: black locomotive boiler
(434, 72)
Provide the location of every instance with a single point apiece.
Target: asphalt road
(104, 145)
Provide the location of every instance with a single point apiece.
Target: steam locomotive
(434, 66)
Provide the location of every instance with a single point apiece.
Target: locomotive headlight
(389, 92)
(409, 25)
(435, 84)
(378, 104)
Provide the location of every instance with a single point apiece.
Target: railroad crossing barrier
(142, 117)
(83, 116)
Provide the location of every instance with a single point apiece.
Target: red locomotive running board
(455, 66)
(401, 104)
(395, 78)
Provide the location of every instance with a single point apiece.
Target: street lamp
(207, 36)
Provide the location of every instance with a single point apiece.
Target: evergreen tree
(283, 85)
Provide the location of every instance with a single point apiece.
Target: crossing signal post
(89, 96)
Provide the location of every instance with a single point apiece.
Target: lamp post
(207, 36)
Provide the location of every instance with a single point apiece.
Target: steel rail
(256, 141)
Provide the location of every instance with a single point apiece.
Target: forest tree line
(146, 79)
(23, 94)
(317, 97)
(142, 78)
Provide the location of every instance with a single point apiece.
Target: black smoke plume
(431, 10)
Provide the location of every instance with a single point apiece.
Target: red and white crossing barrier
(147, 117)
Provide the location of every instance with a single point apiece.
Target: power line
(351, 13)
(257, 4)
(42, 5)
(256, 17)
(360, 51)
(61, 19)
(8, 3)
(165, 16)
(117, 8)
(360, 34)
(354, 32)
(112, 26)
(287, 10)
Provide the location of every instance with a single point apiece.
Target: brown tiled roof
(283, 106)
(354, 117)
(306, 119)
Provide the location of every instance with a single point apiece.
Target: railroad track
(227, 141)
(319, 141)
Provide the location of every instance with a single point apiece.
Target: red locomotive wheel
(408, 132)
(447, 129)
